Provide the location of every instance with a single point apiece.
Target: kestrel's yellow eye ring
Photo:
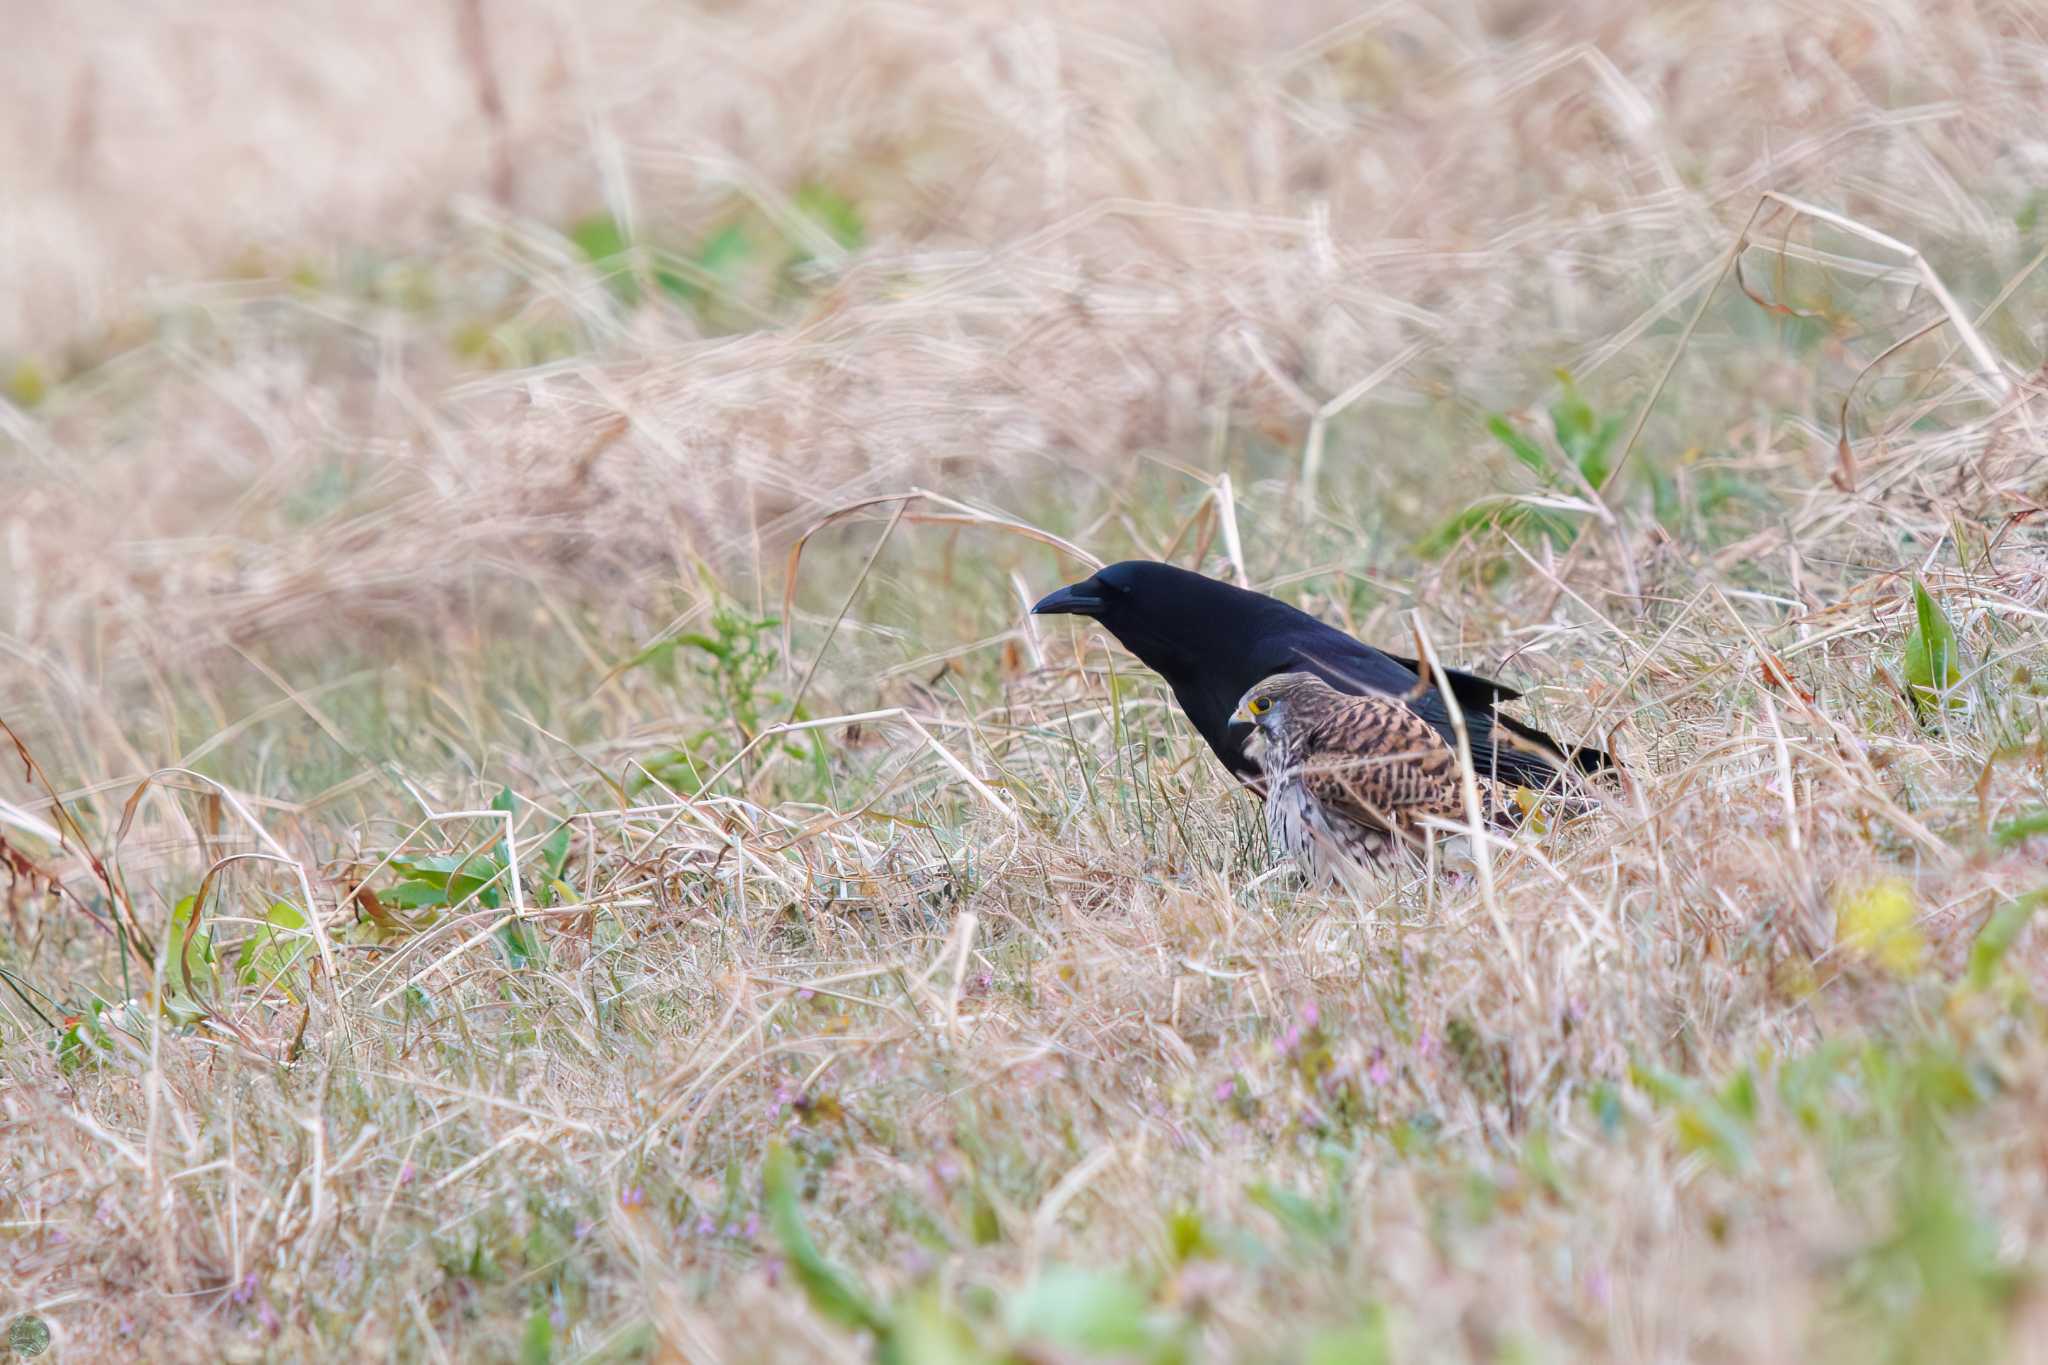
(1259, 706)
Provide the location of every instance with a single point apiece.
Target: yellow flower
(1875, 919)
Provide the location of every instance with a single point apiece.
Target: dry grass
(357, 518)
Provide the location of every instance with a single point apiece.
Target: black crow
(1211, 641)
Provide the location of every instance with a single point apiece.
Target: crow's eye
(1260, 706)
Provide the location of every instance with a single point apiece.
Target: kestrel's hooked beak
(1241, 724)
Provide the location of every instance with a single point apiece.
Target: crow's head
(1171, 618)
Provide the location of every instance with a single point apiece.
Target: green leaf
(1706, 1127)
(1297, 1213)
(517, 943)
(416, 895)
(2020, 830)
(834, 1293)
(537, 1345)
(725, 250)
(1933, 660)
(982, 1223)
(459, 878)
(1594, 466)
(27, 385)
(1739, 1096)
(269, 955)
(1084, 1310)
(926, 1332)
(1366, 1343)
(604, 242)
(201, 946)
(1479, 517)
(1572, 417)
(1188, 1236)
(1520, 446)
(554, 851)
(599, 237)
(1999, 933)
(833, 212)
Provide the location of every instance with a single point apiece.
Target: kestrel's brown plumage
(1352, 779)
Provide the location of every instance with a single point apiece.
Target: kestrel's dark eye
(1261, 705)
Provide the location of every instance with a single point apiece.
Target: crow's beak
(1075, 600)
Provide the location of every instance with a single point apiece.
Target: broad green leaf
(833, 212)
(195, 947)
(1707, 1127)
(416, 895)
(2020, 830)
(27, 385)
(554, 850)
(1738, 1097)
(269, 955)
(1999, 933)
(459, 877)
(1573, 419)
(599, 237)
(1594, 464)
(1085, 1310)
(1299, 1214)
(1520, 446)
(1364, 1344)
(1188, 1235)
(504, 802)
(833, 1292)
(1933, 661)
(1471, 521)
(725, 250)
(604, 242)
(926, 1332)
(537, 1345)
(518, 944)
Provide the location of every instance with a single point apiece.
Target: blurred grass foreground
(535, 824)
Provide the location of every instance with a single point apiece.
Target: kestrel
(1352, 780)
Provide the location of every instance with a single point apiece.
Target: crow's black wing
(1501, 746)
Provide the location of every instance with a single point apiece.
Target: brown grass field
(535, 825)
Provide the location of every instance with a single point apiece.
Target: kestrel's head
(1264, 711)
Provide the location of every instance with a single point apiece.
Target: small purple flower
(1425, 1046)
(406, 1174)
(1379, 1073)
(265, 1316)
(732, 1230)
(1291, 1039)
(1310, 1014)
(806, 993)
(1225, 1089)
(752, 1228)
(246, 1290)
(127, 1326)
(558, 1317)
(707, 1226)
(583, 1228)
(632, 1197)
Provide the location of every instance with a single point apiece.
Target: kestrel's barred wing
(1372, 761)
